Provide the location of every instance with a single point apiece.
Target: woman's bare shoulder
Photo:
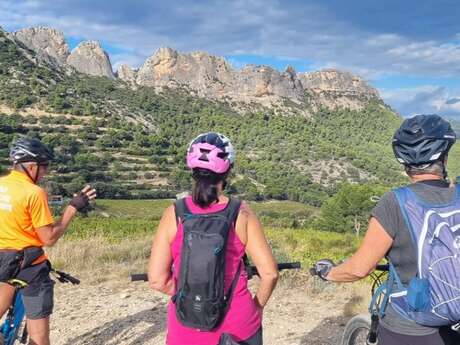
(245, 209)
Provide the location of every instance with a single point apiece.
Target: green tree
(349, 209)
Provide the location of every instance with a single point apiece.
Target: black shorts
(38, 296)
(449, 336)
(387, 337)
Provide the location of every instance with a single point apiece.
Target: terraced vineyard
(130, 143)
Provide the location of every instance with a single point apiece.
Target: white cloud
(131, 59)
(253, 27)
(425, 99)
(257, 27)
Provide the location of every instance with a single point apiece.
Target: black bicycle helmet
(423, 139)
(26, 149)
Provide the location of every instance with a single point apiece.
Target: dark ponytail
(204, 191)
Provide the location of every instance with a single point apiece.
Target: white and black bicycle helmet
(26, 149)
(423, 139)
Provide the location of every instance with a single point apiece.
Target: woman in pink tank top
(211, 156)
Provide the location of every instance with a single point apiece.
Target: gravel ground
(306, 314)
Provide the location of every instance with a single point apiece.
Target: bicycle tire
(24, 333)
(356, 330)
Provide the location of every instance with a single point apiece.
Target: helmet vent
(204, 157)
(413, 130)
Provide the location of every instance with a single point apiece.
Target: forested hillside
(131, 143)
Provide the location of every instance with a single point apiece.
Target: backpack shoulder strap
(402, 195)
(181, 209)
(233, 209)
(457, 189)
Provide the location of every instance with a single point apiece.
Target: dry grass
(99, 260)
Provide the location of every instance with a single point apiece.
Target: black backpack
(200, 299)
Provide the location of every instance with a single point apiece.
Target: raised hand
(82, 198)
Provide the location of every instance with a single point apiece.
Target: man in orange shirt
(26, 225)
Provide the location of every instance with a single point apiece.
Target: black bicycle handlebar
(66, 278)
(382, 268)
(139, 277)
(252, 271)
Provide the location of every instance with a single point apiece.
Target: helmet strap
(443, 160)
(37, 173)
(24, 169)
(444, 171)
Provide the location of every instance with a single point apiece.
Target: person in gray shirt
(402, 252)
(421, 144)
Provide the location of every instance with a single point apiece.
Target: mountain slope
(131, 142)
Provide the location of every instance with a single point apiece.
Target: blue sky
(409, 50)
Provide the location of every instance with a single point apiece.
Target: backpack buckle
(456, 327)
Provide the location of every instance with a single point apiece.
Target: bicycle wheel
(356, 330)
(24, 333)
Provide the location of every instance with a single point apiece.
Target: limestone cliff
(89, 58)
(47, 43)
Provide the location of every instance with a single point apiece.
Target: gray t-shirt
(402, 253)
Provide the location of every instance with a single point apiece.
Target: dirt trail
(314, 314)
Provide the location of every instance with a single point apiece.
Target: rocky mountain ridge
(129, 141)
(208, 76)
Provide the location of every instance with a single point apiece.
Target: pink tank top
(242, 320)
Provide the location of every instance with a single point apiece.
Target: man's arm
(49, 234)
(375, 245)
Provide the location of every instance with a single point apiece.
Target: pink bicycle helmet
(212, 151)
